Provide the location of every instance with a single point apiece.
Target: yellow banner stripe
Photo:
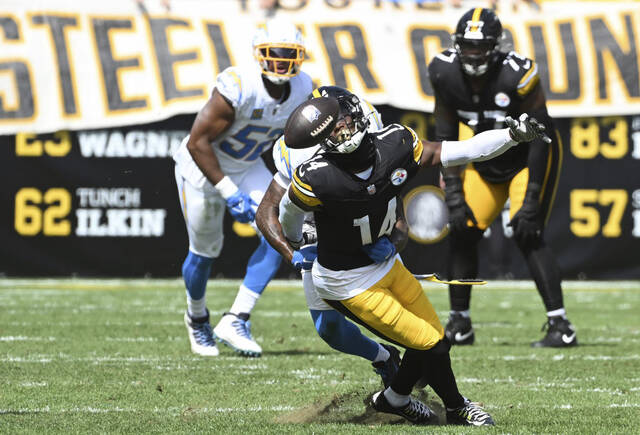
(316, 93)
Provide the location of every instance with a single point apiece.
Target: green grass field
(80, 356)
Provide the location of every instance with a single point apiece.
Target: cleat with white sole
(200, 335)
(234, 330)
(470, 414)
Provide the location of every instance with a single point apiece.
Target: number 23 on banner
(30, 218)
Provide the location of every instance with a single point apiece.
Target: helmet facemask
(278, 47)
(350, 127)
(475, 55)
(279, 62)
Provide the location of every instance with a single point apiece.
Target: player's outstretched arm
(483, 146)
(268, 223)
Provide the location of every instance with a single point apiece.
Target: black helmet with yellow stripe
(476, 40)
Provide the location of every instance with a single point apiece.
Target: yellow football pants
(396, 309)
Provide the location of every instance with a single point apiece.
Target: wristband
(226, 187)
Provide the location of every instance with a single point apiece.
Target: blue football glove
(381, 250)
(303, 258)
(242, 207)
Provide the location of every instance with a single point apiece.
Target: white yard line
(277, 284)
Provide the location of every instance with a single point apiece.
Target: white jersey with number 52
(259, 120)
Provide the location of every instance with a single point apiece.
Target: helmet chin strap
(277, 80)
(358, 160)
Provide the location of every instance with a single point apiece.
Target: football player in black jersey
(352, 189)
(477, 84)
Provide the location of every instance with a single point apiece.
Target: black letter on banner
(572, 69)
(627, 63)
(57, 28)
(223, 60)
(166, 59)
(25, 107)
(338, 62)
(110, 65)
(422, 58)
(10, 28)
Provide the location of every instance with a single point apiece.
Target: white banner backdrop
(68, 64)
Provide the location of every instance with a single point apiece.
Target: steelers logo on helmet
(476, 40)
(278, 47)
(399, 176)
(350, 127)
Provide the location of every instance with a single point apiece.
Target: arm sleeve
(483, 146)
(291, 219)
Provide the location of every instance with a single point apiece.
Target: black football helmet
(476, 40)
(352, 124)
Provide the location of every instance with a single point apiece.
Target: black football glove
(459, 211)
(526, 129)
(526, 223)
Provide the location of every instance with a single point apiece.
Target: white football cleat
(200, 335)
(234, 331)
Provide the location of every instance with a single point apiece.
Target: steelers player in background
(352, 189)
(477, 84)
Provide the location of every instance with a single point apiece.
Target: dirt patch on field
(353, 408)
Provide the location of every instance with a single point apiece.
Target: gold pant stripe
(396, 309)
(550, 187)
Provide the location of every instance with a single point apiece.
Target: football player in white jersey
(339, 333)
(219, 164)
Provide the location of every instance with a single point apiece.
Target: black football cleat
(470, 414)
(388, 369)
(560, 333)
(459, 330)
(415, 411)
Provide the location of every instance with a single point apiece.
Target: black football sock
(546, 274)
(440, 377)
(409, 372)
(463, 263)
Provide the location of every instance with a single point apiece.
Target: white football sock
(245, 301)
(383, 354)
(196, 307)
(396, 400)
(466, 313)
(560, 312)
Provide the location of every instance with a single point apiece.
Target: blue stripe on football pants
(262, 267)
(195, 271)
(342, 335)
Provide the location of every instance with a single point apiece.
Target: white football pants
(203, 208)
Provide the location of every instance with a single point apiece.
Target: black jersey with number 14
(351, 211)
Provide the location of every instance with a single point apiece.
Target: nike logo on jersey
(463, 337)
(568, 338)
